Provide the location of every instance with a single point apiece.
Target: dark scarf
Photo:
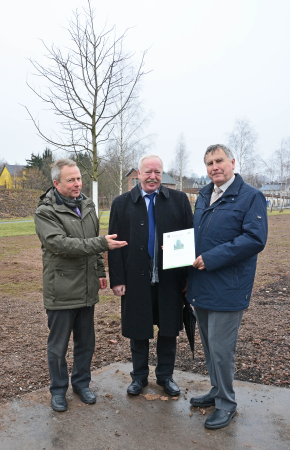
(70, 202)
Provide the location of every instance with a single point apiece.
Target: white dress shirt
(223, 188)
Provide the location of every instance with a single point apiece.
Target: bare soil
(263, 354)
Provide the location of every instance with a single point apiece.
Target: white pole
(95, 196)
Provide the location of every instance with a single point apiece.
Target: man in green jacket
(73, 272)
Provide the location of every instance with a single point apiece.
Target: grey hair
(58, 165)
(147, 157)
(212, 148)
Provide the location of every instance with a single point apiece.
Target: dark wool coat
(130, 265)
(228, 235)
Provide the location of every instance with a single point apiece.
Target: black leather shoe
(86, 395)
(203, 401)
(169, 386)
(136, 387)
(219, 419)
(58, 403)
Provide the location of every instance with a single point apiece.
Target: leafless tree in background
(128, 139)
(83, 86)
(34, 179)
(270, 171)
(3, 163)
(282, 157)
(181, 158)
(242, 141)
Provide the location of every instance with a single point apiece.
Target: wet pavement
(118, 421)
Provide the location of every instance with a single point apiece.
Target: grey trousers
(219, 335)
(61, 323)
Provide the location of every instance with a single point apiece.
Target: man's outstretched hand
(114, 244)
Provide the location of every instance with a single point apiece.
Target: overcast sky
(212, 61)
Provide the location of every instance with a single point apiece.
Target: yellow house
(12, 176)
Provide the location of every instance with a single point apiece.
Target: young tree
(179, 165)
(83, 86)
(242, 141)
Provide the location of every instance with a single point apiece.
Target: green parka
(71, 253)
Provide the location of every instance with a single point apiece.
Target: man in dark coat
(149, 294)
(73, 272)
(230, 225)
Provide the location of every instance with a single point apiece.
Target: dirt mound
(18, 202)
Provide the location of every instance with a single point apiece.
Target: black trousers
(166, 349)
(61, 323)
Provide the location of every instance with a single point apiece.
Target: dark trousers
(166, 349)
(61, 323)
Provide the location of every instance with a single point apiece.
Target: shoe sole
(225, 424)
(58, 409)
(138, 393)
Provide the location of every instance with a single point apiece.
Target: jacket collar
(49, 198)
(136, 192)
(232, 190)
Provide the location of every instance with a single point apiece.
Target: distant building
(133, 180)
(12, 176)
(275, 194)
(192, 183)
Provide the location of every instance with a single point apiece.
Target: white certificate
(178, 249)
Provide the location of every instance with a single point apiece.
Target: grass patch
(277, 213)
(17, 229)
(104, 222)
(105, 298)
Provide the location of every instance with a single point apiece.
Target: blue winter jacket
(228, 235)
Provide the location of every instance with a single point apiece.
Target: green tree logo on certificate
(178, 245)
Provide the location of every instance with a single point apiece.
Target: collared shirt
(224, 186)
(147, 200)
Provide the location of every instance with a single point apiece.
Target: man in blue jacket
(230, 225)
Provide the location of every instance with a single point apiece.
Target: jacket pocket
(235, 278)
(70, 284)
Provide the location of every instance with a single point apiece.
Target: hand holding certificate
(178, 249)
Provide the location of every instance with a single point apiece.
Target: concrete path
(121, 422)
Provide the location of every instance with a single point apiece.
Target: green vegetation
(17, 229)
(278, 213)
(104, 219)
(21, 228)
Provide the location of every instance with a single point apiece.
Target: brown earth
(263, 354)
(18, 202)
